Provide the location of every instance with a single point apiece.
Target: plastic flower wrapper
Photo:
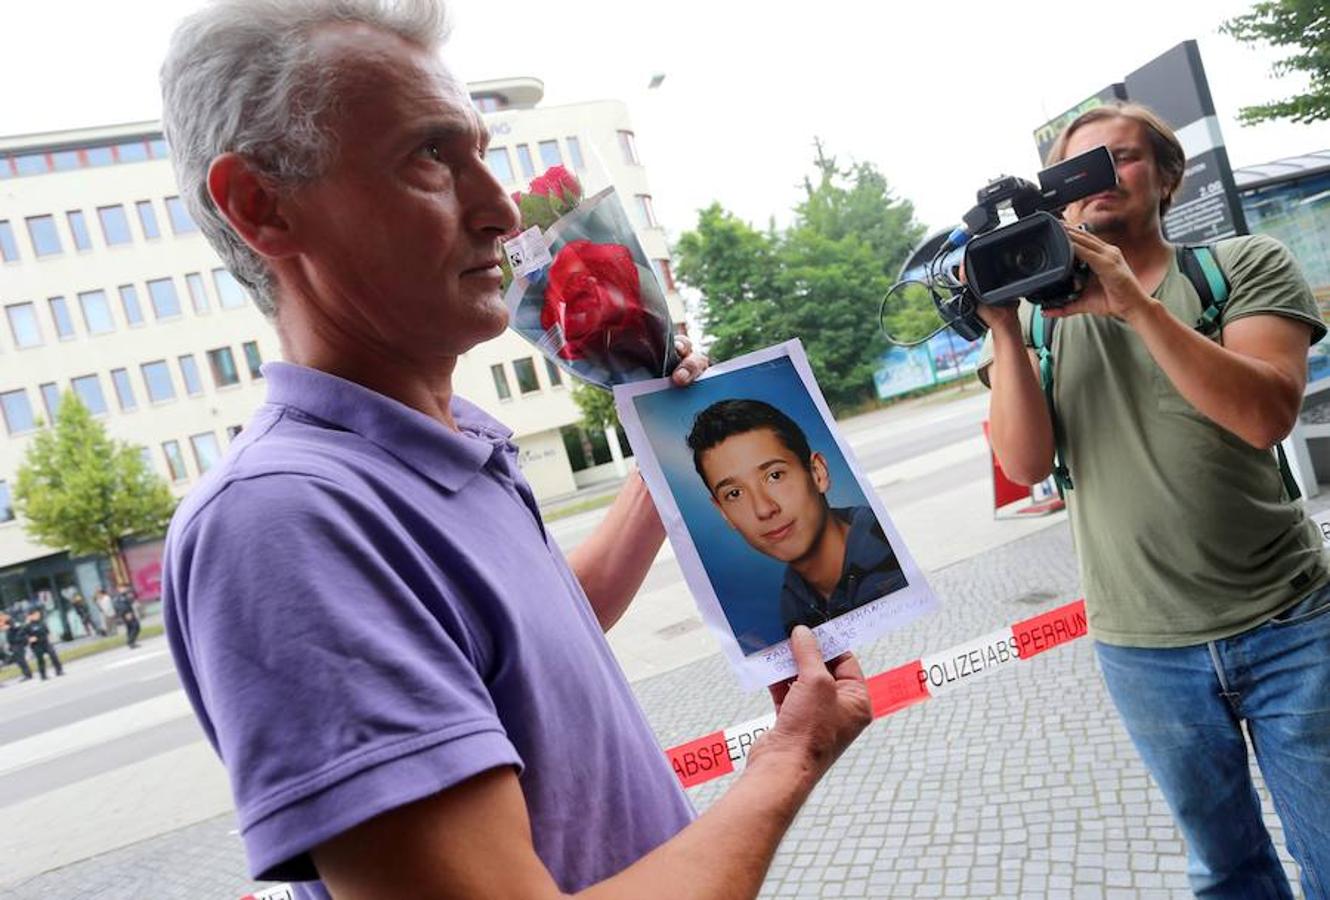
(582, 290)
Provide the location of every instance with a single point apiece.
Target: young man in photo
(771, 487)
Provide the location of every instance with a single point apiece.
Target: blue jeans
(1184, 710)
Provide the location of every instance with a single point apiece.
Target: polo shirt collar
(446, 457)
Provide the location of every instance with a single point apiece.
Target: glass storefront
(1296, 211)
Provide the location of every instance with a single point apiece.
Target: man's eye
(775, 475)
(732, 494)
(432, 150)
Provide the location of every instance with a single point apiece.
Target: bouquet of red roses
(582, 289)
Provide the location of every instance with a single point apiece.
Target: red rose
(594, 295)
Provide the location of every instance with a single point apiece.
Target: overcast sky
(942, 96)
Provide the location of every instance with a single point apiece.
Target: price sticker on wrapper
(528, 252)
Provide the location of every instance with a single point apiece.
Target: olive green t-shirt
(1185, 532)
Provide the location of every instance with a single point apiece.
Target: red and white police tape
(723, 752)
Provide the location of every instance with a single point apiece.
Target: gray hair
(242, 76)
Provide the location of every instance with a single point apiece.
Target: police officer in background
(16, 640)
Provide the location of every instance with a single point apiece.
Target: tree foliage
(80, 490)
(597, 407)
(821, 279)
(1303, 26)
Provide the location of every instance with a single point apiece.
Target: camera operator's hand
(818, 713)
(1114, 290)
(1000, 318)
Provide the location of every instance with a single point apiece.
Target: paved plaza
(1023, 785)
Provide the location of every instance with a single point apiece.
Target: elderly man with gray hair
(485, 743)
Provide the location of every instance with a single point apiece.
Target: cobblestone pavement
(1022, 785)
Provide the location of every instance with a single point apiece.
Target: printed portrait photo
(771, 521)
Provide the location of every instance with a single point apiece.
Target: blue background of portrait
(746, 582)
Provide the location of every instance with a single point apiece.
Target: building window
(124, 391)
(64, 160)
(664, 273)
(129, 301)
(207, 452)
(23, 325)
(8, 249)
(500, 164)
(198, 294)
(645, 212)
(96, 312)
(158, 379)
(50, 399)
(165, 300)
(628, 144)
(189, 374)
(501, 382)
(32, 164)
(146, 455)
(89, 390)
(229, 292)
(575, 153)
(64, 322)
(175, 460)
(17, 411)
(549, 154)
(148, 219)
(45, 239)
(6, 503)
(223, 365)
(135, 151)
(181, 221)
(252, 359)
(525, 370)
(78, 227)
(159, 149)
(556, 375)
(524, 161)
(115, 224)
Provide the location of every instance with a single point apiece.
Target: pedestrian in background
(102, 598)
(124, 608)
(16, 639)
(39, 642)
(85, 616)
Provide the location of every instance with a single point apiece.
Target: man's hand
(691, 363)
(820, 711)
(1114, 290)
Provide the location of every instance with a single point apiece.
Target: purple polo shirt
(365, 609)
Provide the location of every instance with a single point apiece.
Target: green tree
(821, 279)
(597, 407)
(734, 266)
(79, 489)
(1303, 26)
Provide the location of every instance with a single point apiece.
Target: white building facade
(108, 289)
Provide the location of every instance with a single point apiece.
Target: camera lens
(1026, 259)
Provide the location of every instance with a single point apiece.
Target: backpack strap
(1201, 266)
(1041, 334)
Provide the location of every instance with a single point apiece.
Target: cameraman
(1205, 584)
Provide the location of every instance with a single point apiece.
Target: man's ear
(250, 205)
(817, 464)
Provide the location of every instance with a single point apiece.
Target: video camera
(1011, 244)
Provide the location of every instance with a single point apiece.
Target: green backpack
(1201, 267)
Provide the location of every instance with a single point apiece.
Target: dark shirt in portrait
(870, 571)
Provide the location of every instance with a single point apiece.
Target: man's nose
(764, 505)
